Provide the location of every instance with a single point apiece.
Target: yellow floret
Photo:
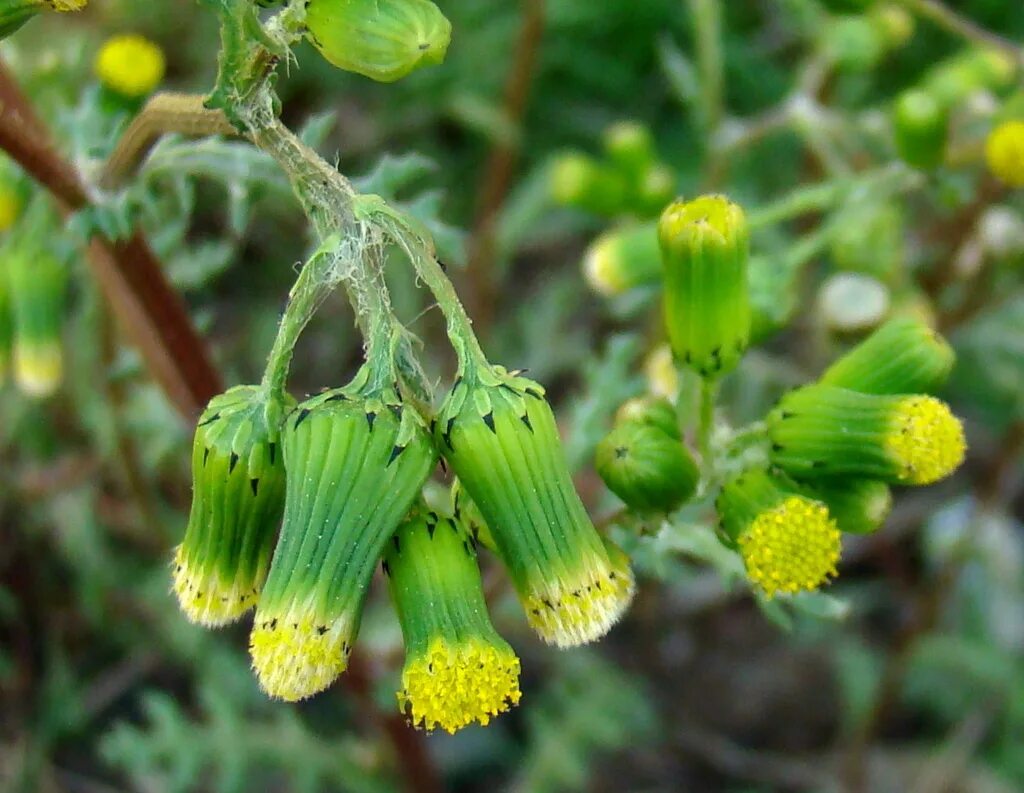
(295, 656)
(68, 5)
(1004, 151)
(130, 65)
(205, 599)
(38, 368)
(792, 547)
(926, 440)
(568, 613)
(454, 685)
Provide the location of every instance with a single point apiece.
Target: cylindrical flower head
(37, 283)
(920, 128)
(789, 542)
(354, 466)
(458, 670)
(704, 246)
(648, 468)
(130, 65)
(822, 431)
(859, 506)
(381, 39)
(623, 259)
(15, 13)
(237, 499)
(903, 356)
(579, 181)
(499, 435)
(1004, 152)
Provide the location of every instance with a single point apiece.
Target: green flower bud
(380, 39)
(355, 464)
(920, 127)
(646, 467)
(457, 670)
(237, 499)
(38, 285)
(853, 42)
(789, 542)
(656, 411)
(823, 431)
(859, 506)
(954, 79)
(579, 181)
(622, 259)
(655, 191)
(630, 147)
(893, 22)
(499, 435)
(903, 356)
(704, 246)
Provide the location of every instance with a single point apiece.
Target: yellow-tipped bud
(1004, 152)
(130, 65)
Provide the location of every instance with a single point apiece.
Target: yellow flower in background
(1004, 151)
(130, 65)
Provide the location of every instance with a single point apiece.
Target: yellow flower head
(1004, 151)
(68, 5)
(455, 684)
(38, 366)
(926, 439)
(792, 547)
(130, 65)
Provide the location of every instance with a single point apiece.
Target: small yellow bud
(1004, 151)
(130, 65)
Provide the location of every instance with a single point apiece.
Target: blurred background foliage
(908, 675)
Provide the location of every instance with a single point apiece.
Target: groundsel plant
(296, 504)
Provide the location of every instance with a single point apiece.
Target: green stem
(707, 25)
(706, 425)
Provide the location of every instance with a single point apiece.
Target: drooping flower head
(499, 435)
(238, 486)
(355, 458)
(458, 670)
(789, 542)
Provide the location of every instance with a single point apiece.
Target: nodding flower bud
(130, 65)
(859, 506)
(920, 128)
(823, 431)
(237, 499)
(704, 246)
(1004, 152)
(15, 13)
(647, 467)
(354, 463)
(903, 356)
(38, 286)
(789, 542)
(457, 670)
(381, 39)
(623, 259)
(579, 181)
(499, 435)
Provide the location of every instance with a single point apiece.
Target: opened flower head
(458, 670)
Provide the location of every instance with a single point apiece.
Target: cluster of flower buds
(921, 114)
(15, 13)
(381, 39)
(832, 449)
(628, 180)
(341, 473)
(33, 283)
